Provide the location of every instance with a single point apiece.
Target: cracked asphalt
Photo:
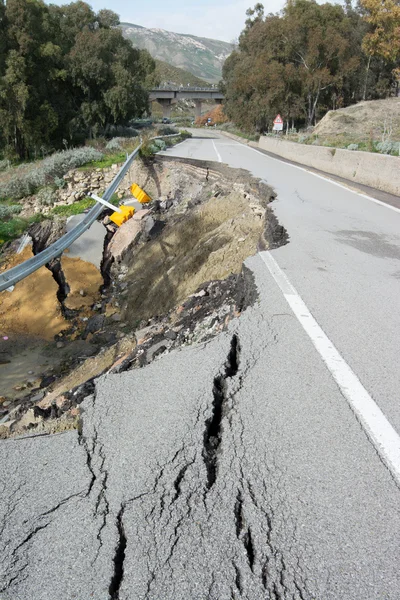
(229, 470)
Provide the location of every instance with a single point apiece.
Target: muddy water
(31, 319)
(23, 362)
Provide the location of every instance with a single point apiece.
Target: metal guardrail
(12, 276)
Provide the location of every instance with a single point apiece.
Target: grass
(14, 228)
(77, 208)
(107, 161)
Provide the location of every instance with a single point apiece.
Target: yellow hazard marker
(121, 214)
(139, 194)
(125, 213)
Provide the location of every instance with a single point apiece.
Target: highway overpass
(167, 95)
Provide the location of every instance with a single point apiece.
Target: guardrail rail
(12, 276)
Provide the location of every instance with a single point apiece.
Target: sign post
(278, 123)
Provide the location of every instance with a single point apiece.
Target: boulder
(124, 239)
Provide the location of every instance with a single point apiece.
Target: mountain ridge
(203, 57)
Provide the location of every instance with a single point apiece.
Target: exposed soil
(32, 308)
(362, 121)
(179, 281)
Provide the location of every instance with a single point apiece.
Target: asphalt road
(89, 246)
(248, 468)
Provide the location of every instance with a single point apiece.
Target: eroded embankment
(171, 276)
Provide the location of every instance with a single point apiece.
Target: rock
(138, 216)
(62, 402)
(199, 294)
(30, 372)
(94, 324)
(47, 380)
(60, 345)
(156, 350)
(124, 239)
(82, 292)
(122, 325)
(240, 240)
(37, 397)
(6, 403)
(148, 224)
(116, 317)
(170, 335)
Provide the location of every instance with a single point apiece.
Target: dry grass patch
(210, 243)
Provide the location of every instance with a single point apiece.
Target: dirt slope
(362, 121)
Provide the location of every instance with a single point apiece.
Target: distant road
(262, 465)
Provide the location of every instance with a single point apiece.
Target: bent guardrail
(12, 276)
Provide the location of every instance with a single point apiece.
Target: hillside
(202, 57)
(167, 73)
(362, 121)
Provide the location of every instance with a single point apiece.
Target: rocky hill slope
(168, 74)
(202, 57)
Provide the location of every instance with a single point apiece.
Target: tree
(65, 71)
(108, 72)
(383, 40)
(293, 63)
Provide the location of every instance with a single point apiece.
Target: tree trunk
(366, 78)
(312, 108)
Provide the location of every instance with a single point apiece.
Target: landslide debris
(172, 276)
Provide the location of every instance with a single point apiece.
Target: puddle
(23, 362)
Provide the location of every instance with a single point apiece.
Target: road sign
(278, 123)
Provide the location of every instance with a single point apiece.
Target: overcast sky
(218, 19)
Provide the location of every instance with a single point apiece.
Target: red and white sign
(278, 123)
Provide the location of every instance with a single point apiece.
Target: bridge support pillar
(197, 110)
(166, 106)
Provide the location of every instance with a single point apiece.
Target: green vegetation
(105, 162)
(77, 208)
(66, 74)
(15, 227)
(310, 58)
(168, 74)
(151, 147)
(74, 209)
(26, 179)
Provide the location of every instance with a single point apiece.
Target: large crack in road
(206, 474)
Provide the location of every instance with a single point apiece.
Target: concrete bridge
(167, 95)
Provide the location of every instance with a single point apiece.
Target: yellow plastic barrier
(139, 194)
(121, 217)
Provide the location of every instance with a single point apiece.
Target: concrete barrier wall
(376, 170)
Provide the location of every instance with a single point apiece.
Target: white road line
(383, 436)
(216, 151)
(344, 187)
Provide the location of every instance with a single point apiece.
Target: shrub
(9, 210)
(4, 164)
(160, 144)
(25, 182)
(114, 144)
(46, 196)
(59, 182)
(352, 147)
(166, 130)
(388, 147)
